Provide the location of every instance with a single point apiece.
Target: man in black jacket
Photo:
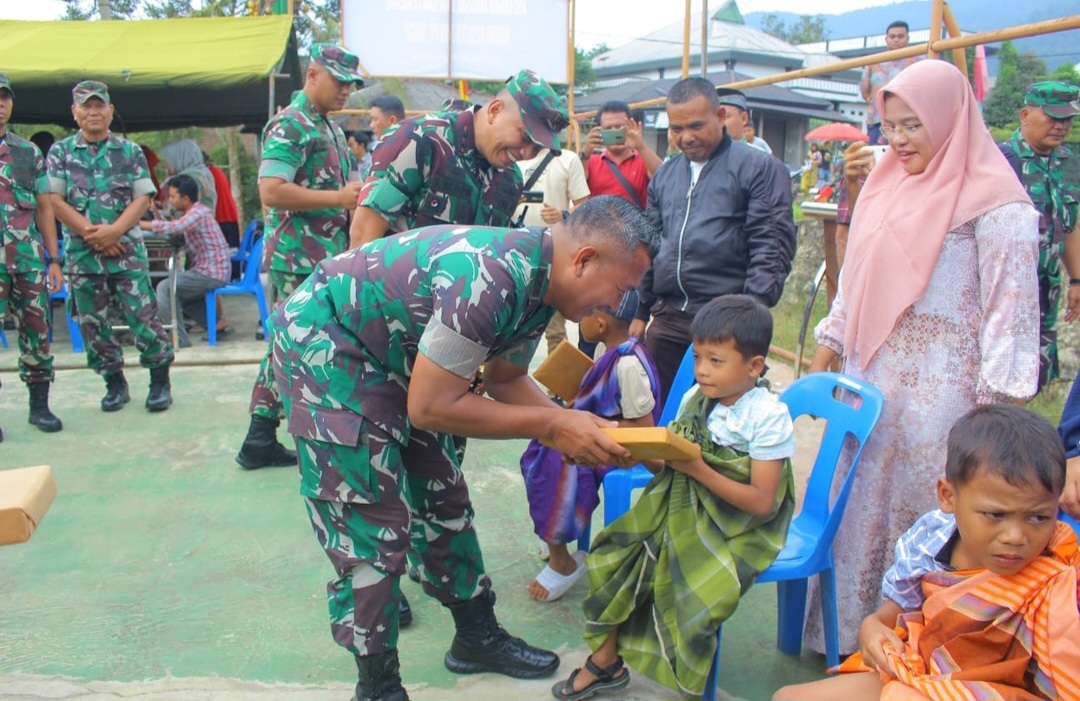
(724, 209)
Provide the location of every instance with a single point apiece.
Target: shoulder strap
(539, 170)
(1013, 158)
(624, 182)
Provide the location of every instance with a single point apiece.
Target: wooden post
(936, 12)
(686, 42)
(571, 70)
(450, 38)
(951, 26)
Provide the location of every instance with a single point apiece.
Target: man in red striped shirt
(206, 248)
(625, 168)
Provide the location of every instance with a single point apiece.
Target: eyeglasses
(908, 129)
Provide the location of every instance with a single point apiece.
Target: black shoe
(261, 447)
(379, 678)
(40, 415)
(404, 612)
(481, 644)
(116, 392)
(160, 395)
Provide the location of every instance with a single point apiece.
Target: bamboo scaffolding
(1021, 31)
(953, 28)
(937, 9)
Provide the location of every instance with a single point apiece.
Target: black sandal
(605, 681)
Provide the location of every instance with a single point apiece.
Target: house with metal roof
(647, 67)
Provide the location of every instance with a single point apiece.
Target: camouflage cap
(543, 112)
(733, 97)
(1058, 99)
(5, 84)
(338, 62)
(86, 89)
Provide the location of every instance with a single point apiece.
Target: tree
(809, 29)
(1016, 72)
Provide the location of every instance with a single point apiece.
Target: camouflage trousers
(89, 298)
(1050, 268)
(265, 398)
(25, 296)
(419, 501)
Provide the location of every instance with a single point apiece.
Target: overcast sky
(595, 18)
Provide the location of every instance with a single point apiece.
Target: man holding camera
(617, 160)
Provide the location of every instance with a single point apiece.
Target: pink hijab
(901, 220)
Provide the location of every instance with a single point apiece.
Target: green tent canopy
(161, 74)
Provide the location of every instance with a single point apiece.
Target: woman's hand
(858, 161)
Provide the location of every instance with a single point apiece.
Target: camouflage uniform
(23, 279)
(99, 180)
(1057, 203)
(343, 350)
(428, 171)
(303, 147)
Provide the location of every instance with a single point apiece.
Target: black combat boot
(160, 396)
(261, 447)
(481, 644)
(116, 392)
(379, 678)
(40, 415)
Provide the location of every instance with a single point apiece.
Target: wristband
(1074, 281)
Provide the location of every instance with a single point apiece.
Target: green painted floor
(160, 558)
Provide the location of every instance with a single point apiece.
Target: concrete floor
(164, 572)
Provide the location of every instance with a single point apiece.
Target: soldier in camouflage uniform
(458, 167)
(374, 355)
(100, 187)
(1037, 154)
(303, 183)
(26, 219)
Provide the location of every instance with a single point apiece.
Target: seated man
(207, 252)
(983, 592)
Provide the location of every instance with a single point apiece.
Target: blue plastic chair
(249, 284)
(3, 337)
(73, 327)
(1062, 516)
(619, 484)
(809, 548)
(247, 240)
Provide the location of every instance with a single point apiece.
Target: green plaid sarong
(669, 571)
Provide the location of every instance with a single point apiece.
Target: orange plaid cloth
(982, 637)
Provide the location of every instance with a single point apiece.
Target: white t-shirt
(695, 171)
(562, 182)
(636, 396)
(758, 423)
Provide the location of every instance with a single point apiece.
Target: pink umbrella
(837, 131)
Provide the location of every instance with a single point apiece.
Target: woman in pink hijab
(938, 307)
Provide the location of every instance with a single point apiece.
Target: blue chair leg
(616, 499)
(3, 338)
(264, 314)
(585, 538)
(211, 318)
(829, 616)
(73, 331)
(714, 673)
(791, 608)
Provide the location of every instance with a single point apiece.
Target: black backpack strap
(624, 182)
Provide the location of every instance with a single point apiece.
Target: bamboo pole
(686, 42)
(571, 69)
(1059, 24)
(705, 39)
(936, 12)
(953, 28)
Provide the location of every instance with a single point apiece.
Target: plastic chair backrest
(251, 270)
(684, 380)
(854, 414)
(248, 239)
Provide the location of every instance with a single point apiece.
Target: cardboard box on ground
(25, 496)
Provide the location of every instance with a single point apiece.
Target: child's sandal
(605, 681)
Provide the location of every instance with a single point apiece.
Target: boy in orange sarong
(983, 593)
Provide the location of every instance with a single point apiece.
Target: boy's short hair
(1012, 442)
(186, 186)
(738, 318)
